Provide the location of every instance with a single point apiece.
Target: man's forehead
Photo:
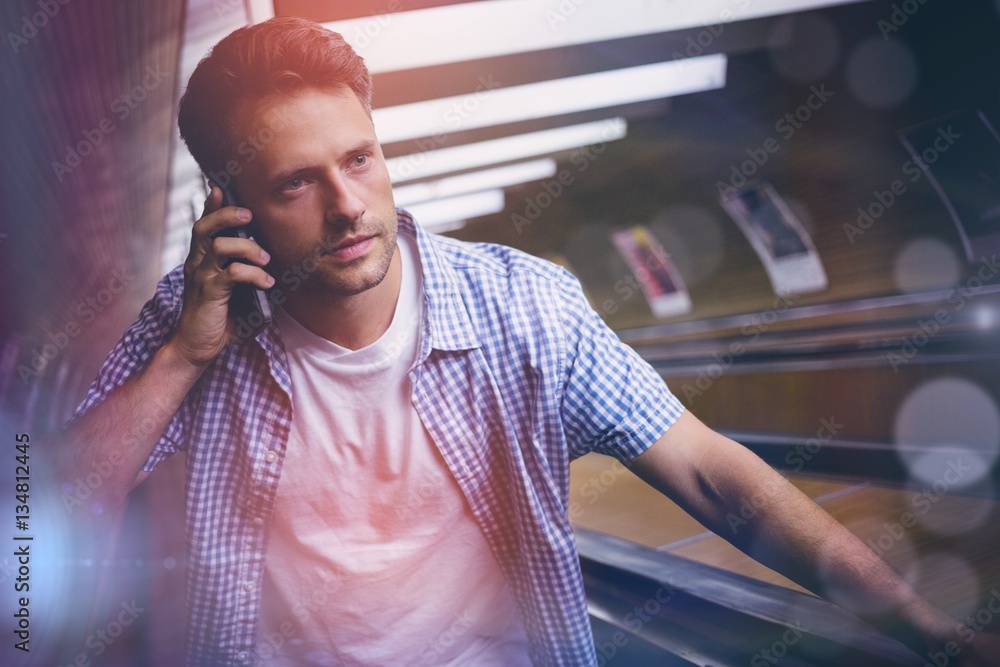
(275, 111)
(282, 134)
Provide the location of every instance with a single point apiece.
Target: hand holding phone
(247, 303)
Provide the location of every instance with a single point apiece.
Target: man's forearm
(793, 535)
(713, 477)
(117, 435)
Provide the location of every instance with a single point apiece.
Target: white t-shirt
(374, 557)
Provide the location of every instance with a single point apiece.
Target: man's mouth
(352, 247)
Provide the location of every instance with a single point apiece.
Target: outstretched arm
(711, 477)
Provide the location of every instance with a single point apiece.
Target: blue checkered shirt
(516, 376)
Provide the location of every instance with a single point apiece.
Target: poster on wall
(652, 267)
(778, 238)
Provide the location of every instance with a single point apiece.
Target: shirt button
(258, 521)
(242, 656)
(271, 456)
(248, 586)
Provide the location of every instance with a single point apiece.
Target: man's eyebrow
(284, 175)
(287, 174)
(364, 146)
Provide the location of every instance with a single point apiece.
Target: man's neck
(354, 321)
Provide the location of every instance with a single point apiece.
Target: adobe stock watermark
(104, 637)
(76, 492)
(247, 151)
(786, 127)
(778, 649)
(7, 569)
(892, 533)
(365, 34)
(433, 650)
(554, 188)
(87, 311)
(269, 644)
(290, 280)
(452, 119)
(598, 484)
(431, 496)
(750, 507)
(634, 621)
(595, 487)
(898, 16)
(698, 43)
(966, 631)
(562, 12)
(928, 328)
(752, 331)
(913, 169)
(32, 23)
(121, 107)
(627, 286)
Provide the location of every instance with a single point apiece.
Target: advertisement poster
(652, 267)
(788, 254)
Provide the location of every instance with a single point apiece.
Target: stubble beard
(360, 275)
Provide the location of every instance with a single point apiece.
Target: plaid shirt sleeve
(614, 402)
(133, 352)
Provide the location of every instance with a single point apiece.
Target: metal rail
(709, 616)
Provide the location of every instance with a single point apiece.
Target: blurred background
(789, 208)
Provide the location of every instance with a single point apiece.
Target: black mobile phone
(248, 303)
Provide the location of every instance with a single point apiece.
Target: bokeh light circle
(882, 74)
(925, 264)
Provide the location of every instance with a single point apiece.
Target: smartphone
(248, 304)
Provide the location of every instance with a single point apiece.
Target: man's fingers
(219, 220)
(225, 248)
(213, 201)
(237, 272)
(221, 265)
(211, 224)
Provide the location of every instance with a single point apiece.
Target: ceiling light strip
(472, 30)
(497, 177)
(492, 105)
(451, 209)
(507, 149)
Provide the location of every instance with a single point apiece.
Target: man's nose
(342, 202)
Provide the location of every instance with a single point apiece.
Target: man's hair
(281, 55)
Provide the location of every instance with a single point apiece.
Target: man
(380, 476)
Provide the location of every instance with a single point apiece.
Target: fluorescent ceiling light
(498, 177)
(517, 147)
(471, 30)
(496, 106)
(434, 214)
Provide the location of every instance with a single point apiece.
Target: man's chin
(351, 280)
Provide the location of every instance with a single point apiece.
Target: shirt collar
(449, 326)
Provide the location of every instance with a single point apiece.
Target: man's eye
(360, 160)
(294, 184)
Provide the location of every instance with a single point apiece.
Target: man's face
(313, 174)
